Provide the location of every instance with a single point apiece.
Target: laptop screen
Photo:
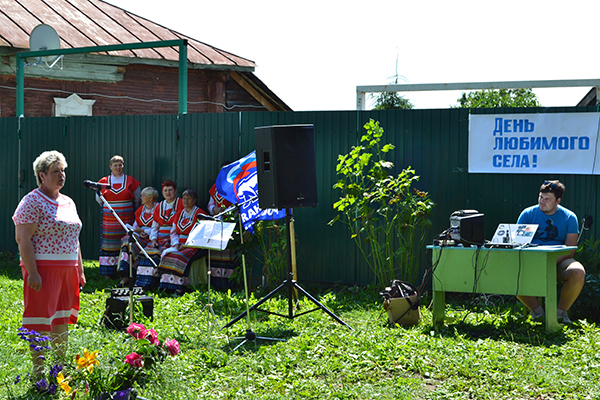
(514, 234)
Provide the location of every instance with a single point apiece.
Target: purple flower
(42, 384)
(52, 388)
(17, 379)
(55, 370)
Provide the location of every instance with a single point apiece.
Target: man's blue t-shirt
(552, 229)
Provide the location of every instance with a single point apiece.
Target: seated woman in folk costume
(160, 235)
(144, 216)
(217, 203)
(176, 261)
(222, 262)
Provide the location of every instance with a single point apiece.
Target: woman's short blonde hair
(114, 159)
(46, 160)
(150, 191)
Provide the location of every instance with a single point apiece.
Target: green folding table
(528, 271)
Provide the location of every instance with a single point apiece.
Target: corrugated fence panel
(324, 253)
(9, 180)
(147, 143)
(206, 141)
(191, 148)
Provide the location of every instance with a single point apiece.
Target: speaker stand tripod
(288, 285)
(249, 336)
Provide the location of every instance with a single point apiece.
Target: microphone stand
(132, 239)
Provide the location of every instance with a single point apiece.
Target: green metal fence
(191, 148)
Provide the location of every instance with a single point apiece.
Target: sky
(314, 53)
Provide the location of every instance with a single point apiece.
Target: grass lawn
(487, 350)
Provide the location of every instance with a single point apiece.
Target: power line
(138, 99)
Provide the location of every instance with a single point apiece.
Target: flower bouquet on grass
(147, 352)
(85, 378)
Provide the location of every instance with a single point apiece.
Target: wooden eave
(85, 23)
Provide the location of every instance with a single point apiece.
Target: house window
(72, 106)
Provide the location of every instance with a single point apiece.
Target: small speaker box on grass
(114, 315)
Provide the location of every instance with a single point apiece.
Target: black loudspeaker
(114, 315)
(286, 165)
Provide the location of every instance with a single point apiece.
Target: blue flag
(238, 183)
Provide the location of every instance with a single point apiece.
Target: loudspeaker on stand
(286, 166)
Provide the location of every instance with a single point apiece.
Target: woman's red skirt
(57, 302)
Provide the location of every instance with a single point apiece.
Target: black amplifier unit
(115, 313)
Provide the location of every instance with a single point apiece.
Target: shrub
(387, 217)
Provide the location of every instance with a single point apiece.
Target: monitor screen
(472, 230)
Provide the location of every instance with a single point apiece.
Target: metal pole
(183, 77)
(181, 43)
(20, 85)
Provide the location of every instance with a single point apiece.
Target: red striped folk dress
(143, 219)
(120, 196)
(161, 230)
(55, 243)
(174, 264)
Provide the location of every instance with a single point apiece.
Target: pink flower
(135, 360)
(152, 337)
(138, 331)
(172, 346)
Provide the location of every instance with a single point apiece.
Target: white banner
(564, 143)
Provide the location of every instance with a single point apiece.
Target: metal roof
(84, 23)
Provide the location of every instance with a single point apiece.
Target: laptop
(512, 235)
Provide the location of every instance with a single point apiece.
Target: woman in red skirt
(47, 230)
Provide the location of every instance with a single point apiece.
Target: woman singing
(47, 231)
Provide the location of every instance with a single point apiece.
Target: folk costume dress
(143, 219)
(56, 244)
(147, 276)
(175, 264)
(216, 200)
(124, 192)
(222, 263)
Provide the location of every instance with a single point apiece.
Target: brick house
(128, 82)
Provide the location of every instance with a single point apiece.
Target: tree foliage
(501, 98)
(392, 101)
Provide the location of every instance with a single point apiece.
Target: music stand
(210, 235)
(290, 284)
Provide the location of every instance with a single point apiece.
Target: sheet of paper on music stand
(212, 235)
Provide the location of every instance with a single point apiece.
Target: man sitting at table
(557, 226)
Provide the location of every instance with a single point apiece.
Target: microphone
(95, 185)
